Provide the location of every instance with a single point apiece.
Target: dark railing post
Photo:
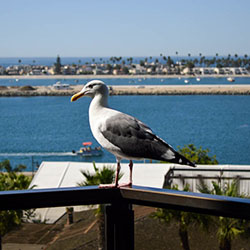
(119, 226)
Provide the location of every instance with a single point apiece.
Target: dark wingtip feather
(191, 164)
(180, 159)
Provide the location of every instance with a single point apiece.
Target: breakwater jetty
(233, 89)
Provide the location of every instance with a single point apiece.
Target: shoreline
(7, 91)
(115, 76)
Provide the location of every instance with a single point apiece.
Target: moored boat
(230, 79)
(88, 151)
(59, 85)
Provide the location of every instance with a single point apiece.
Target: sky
(97, 28)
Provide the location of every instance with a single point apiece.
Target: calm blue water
(49, 128)
(120, 81)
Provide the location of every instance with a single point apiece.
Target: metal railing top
(155, 197)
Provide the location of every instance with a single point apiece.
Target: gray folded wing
(135, 139)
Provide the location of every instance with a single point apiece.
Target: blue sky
(123, 28)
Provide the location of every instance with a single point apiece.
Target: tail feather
(170, 155)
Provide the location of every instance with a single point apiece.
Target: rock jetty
(14, 91)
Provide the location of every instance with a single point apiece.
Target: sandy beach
(7, 91)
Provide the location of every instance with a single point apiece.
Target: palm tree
(183, 219)
(245, 61)
(130, 60)
(106, 175)
(58, 65)
(177, 59)
(189, 61)
(11, 179)
(169, 61)
(164, 58)
(228, 228)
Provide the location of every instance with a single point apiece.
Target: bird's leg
(118, 168)
(130, 176)
(130, 172)
(113, 185)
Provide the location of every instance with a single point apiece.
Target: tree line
(201, 61)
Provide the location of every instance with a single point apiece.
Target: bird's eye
(91, 86)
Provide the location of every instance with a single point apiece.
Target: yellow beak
(77, 96)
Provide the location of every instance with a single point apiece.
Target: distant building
(86, 70)
(137, 70)
(219, 71)
(187, 71)
(36, 72)
(12, 70)
(68, 70)
(100, 70)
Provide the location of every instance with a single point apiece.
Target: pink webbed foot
(115, 186)
(125, 185)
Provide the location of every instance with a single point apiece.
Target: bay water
(36, 129)
(125, 81)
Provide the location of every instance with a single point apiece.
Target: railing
(240, 173)
(119, 216)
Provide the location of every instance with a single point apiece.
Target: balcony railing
(119, 214)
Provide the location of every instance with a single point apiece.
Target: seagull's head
(91, 89)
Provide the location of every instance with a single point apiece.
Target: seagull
(123, 135)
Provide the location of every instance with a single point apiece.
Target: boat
(230, 79)
(88, 151)
(59, 85)
(186, 81)
(198, 79)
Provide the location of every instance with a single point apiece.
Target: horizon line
(232, 55)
